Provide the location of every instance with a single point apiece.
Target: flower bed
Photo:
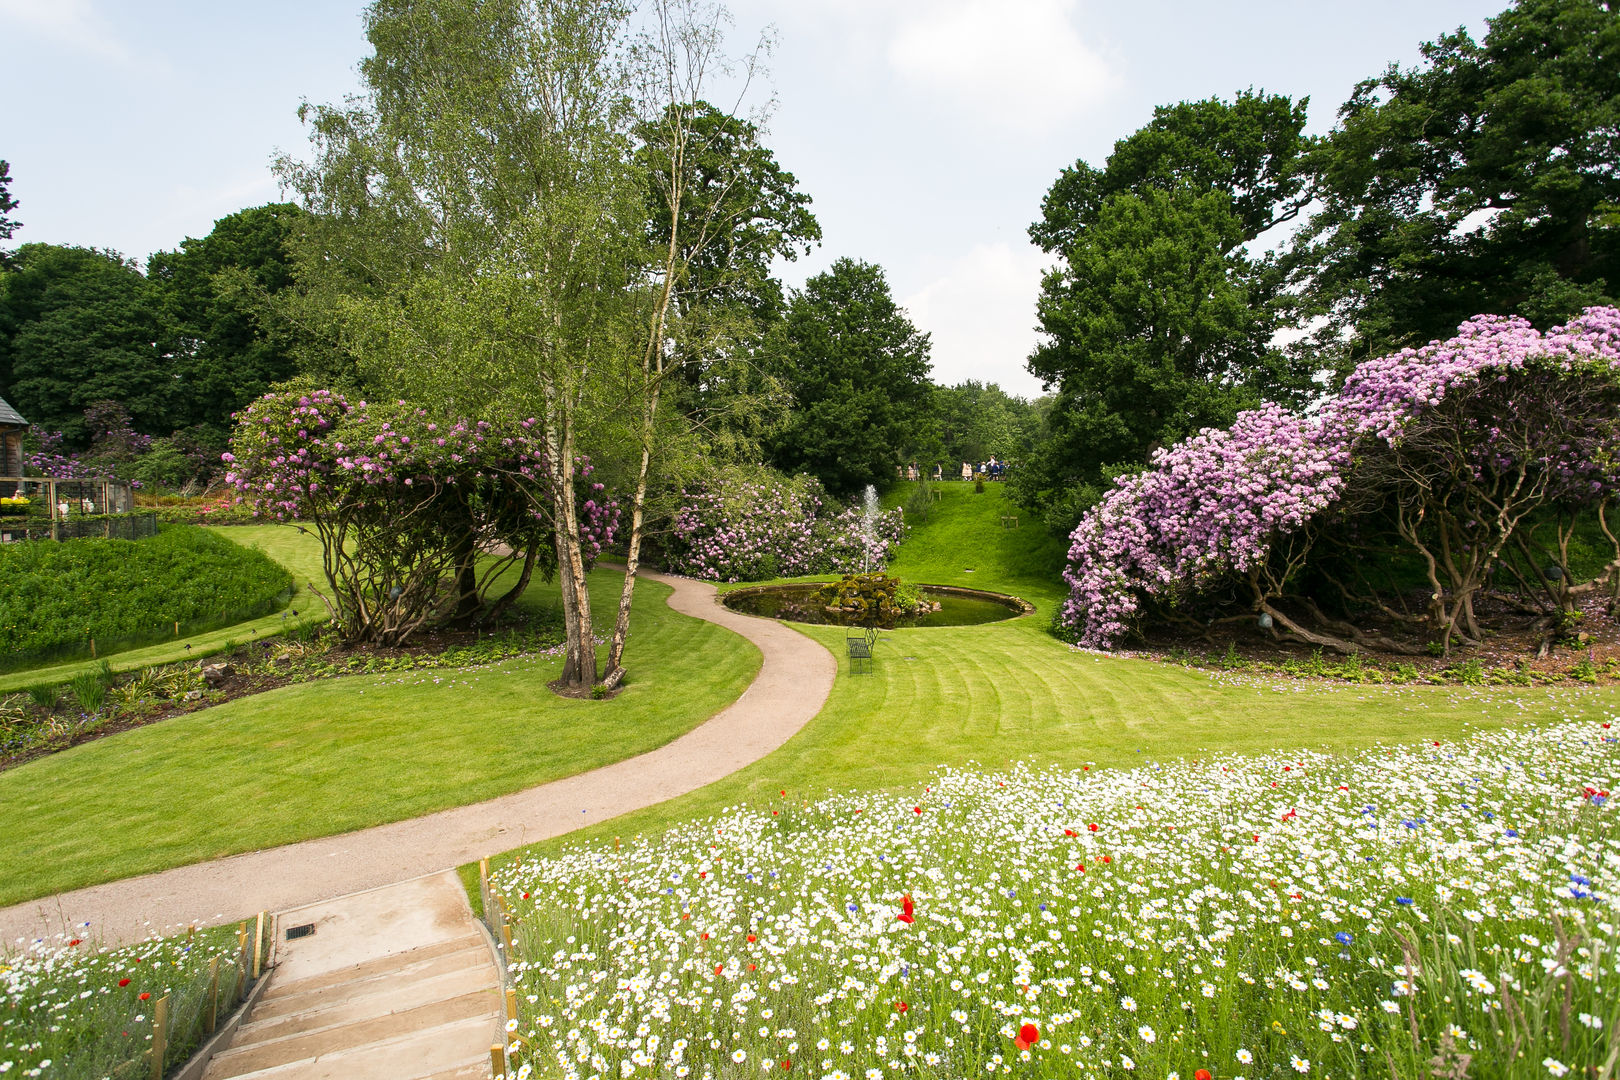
(1395, 912)
(754, 525)
(73, 1012)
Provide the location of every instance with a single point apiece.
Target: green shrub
(55, 598)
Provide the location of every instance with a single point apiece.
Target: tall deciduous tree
(1485, 179)
(858, 372)
(740, 211)
(214, 296)
(481, 230)
(78, 326)
(1157, 320)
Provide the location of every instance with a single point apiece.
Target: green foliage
(8, 224)
(1482, 180)
(979, 421)
(1157, 322)
(78, 326)
(57, 596)
(215, 297)
(857, 369)
(88, 690)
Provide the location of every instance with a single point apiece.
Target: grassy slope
(1009, 691)
(327, 757)
(285, 545)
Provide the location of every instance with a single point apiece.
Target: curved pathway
(793, 683)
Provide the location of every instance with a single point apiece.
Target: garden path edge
(795, 676)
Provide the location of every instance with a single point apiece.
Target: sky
(926, 132)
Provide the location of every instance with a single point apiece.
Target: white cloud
(1022, 64)
(74, 23)
(981, 313)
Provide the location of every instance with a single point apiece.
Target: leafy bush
(59, 596)
(754, 524)
(1456, 444)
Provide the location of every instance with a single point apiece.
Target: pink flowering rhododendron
(1499, 416)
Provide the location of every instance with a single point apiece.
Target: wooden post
(177, 628)
(160, 1036)
(258, 947)
(211, 1012)
(497, 1061)
(506, 939)
(241, 961)
(483, 887)
(92, 648)
(511, 1004)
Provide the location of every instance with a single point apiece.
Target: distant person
(939, 472)
(967, 470)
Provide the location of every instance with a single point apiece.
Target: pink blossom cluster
(752, 526)
(292, 454)
(1216, 504)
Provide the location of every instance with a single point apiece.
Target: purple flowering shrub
(756, 524)
(404, 503)
(1455, 444)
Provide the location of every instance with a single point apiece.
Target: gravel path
(793, 683)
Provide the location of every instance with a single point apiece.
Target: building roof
(10, 416)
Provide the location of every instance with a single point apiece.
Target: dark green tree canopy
(739, 209)
(1249, 148)
(214, 296)
(1157, 321)
(978, 421)
(1483, 180)
(79, 326)
(858, 372)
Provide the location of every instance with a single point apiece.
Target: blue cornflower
(1404, 901)
(1513, 832)
(1344, 937)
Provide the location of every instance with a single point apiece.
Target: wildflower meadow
(1437, 910)
(71, 1010)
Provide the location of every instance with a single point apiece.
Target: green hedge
(55, 598)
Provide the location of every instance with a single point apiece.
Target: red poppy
(1202, 1074)
(1028, 1036)
(145, 996)
(1093, 826)
(525, 896)
(751, 939)
(1107, 858)
(703, 873)
(916, 809)
(786, 1064)
(1080, 867)
(1070, 832)
(718, 968)
(123, 982)
(705, 936)
(901, 1006)
(76, 941)
(906, 910)
(783, 791)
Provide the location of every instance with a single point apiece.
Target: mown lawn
(1009, 691)
(341, 754)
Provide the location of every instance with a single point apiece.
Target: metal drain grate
(294, 932)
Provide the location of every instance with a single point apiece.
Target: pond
(798, 603)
